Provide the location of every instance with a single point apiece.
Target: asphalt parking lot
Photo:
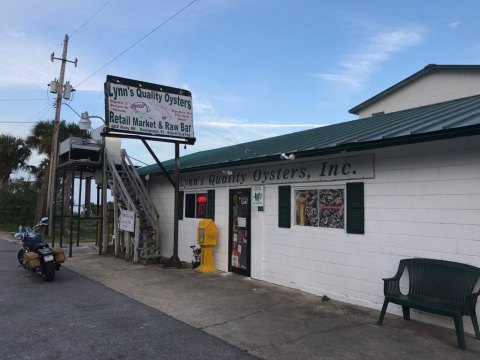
(247, 317)
(74, 317)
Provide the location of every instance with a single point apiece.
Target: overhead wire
(137, 42)
(7, 100)
(231, 138)
(66, 104)
(89, 19)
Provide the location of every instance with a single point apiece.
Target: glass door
(239, 233)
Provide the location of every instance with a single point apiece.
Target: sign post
(146, 111)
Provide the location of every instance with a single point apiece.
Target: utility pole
(56, 126)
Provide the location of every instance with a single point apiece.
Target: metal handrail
(123, 191)
(140, 189)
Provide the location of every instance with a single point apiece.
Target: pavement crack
(305, 335)
(233, 319)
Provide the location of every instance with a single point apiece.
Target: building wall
(429, 89)
(161, 192)
(423, 202)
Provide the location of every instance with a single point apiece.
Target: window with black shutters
(199, 205)
(324, 206)
(355, 208)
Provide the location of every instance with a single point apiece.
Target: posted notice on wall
(126, 220)
(151, 109)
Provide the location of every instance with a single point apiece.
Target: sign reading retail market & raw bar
(138, 107)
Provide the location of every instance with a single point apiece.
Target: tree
(13, 156)
(17, 203)
(41, 139)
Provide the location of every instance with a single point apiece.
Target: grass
(88, 229)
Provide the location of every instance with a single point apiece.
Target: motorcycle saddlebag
(59, 254)
(31, 260)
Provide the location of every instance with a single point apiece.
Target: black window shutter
(180, 205)
(284, 206)
(211, 204)
(355, 208)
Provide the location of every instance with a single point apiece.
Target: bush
(17, 203)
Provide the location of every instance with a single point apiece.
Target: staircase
(129, 193)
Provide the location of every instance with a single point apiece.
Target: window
(199, 205)
(196, 205)
(320, 208)
(324, 207)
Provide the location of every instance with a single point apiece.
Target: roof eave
(431, 67)
(348, 147)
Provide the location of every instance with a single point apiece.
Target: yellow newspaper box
(207, 239)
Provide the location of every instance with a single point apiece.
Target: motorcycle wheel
(20, 256)
(48, 271)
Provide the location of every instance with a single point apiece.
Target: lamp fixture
(283, 156)
(85, 122)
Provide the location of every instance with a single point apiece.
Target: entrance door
(239, 233)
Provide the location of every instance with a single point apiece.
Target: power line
(18, 122)
(90, 18)
(138, 41)
(5, 100)
(72, 109)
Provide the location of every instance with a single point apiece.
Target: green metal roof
(460, 117)
(427, 69)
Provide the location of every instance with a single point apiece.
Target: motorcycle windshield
(32, 241)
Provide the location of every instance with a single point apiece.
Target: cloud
(357, 67)
(255, 125)
(454, 25)
(215, 131)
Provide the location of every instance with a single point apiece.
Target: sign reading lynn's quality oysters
(143, 108)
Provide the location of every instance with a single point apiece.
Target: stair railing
(140, 190)
(125, 196)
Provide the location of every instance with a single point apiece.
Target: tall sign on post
(146, 111)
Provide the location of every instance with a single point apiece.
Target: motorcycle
(36, 255)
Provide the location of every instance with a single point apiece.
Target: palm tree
(41, 139)
(13, 156)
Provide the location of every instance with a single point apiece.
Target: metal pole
(71, 215)
(79, 208)
(88, 190)
(175, 218)
(56, 125)
(174, 261)
(104, 246)
(97, 213)
(62, 212)
(115, 221)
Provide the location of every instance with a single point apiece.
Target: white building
(402, 181)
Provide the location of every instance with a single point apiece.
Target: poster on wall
(320, 208)
(126, 220)
(138, 107)
(257, 196)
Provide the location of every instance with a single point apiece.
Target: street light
(85, 123)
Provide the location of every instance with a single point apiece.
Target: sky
(255, 69)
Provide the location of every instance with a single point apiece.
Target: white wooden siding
(432, 88)
(423, 202)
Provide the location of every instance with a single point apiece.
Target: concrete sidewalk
(269, 321)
